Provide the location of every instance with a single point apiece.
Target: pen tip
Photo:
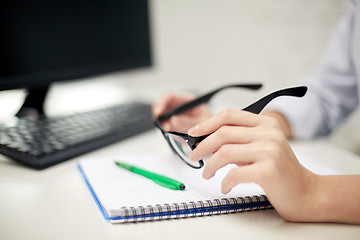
(182, 186)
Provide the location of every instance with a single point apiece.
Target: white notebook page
(116, 187)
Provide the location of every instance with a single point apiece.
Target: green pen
(157, 178)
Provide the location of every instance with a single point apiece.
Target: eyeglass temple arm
(258, 106)
(203, 99)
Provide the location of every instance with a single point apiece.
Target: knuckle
(277, 137)
(223, 131)
(272, 122)
(224, 152)
(273, 151)
(227, 113)
(270, 152)
(273, 134)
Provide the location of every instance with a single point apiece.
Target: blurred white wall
(204, 43)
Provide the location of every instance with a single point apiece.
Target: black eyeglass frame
(255, 107)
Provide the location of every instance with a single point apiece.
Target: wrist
(337, 198)
(312, 200)
(318, 200)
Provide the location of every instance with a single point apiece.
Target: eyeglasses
(182, 144)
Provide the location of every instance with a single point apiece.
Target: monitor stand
(33, 106)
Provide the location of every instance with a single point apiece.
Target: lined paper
(117, 188)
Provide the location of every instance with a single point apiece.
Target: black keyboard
(44, 142)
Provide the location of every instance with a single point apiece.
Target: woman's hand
(181, 122)
(257, 145)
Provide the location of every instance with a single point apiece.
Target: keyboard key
(45, 142)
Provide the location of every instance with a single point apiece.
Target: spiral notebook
(123, 196)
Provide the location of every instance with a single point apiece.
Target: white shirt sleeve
(332, 90)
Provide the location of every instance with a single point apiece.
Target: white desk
(55, 204)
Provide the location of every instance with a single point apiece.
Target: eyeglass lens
(183, 149)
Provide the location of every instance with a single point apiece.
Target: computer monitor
(47, 41)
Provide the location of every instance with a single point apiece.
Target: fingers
(263, 145)
(234, 127)
(230, 154)
(225, 117)
(238, 175)
(180, 123)
(242, 138)
(168, 101)
(223, 136)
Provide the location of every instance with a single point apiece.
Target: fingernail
(156, 111)
(192, 156)
(224, 190)
(206, 175)
(193, 130)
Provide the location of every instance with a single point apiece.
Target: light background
(199, 45)
(212, 42)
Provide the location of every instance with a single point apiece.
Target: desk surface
(56, 204)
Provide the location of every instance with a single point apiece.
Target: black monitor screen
(46, 41)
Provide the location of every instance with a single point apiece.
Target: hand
(181, 122)
(257, 145)
(284, 124)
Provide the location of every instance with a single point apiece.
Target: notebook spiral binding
(192, 209)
